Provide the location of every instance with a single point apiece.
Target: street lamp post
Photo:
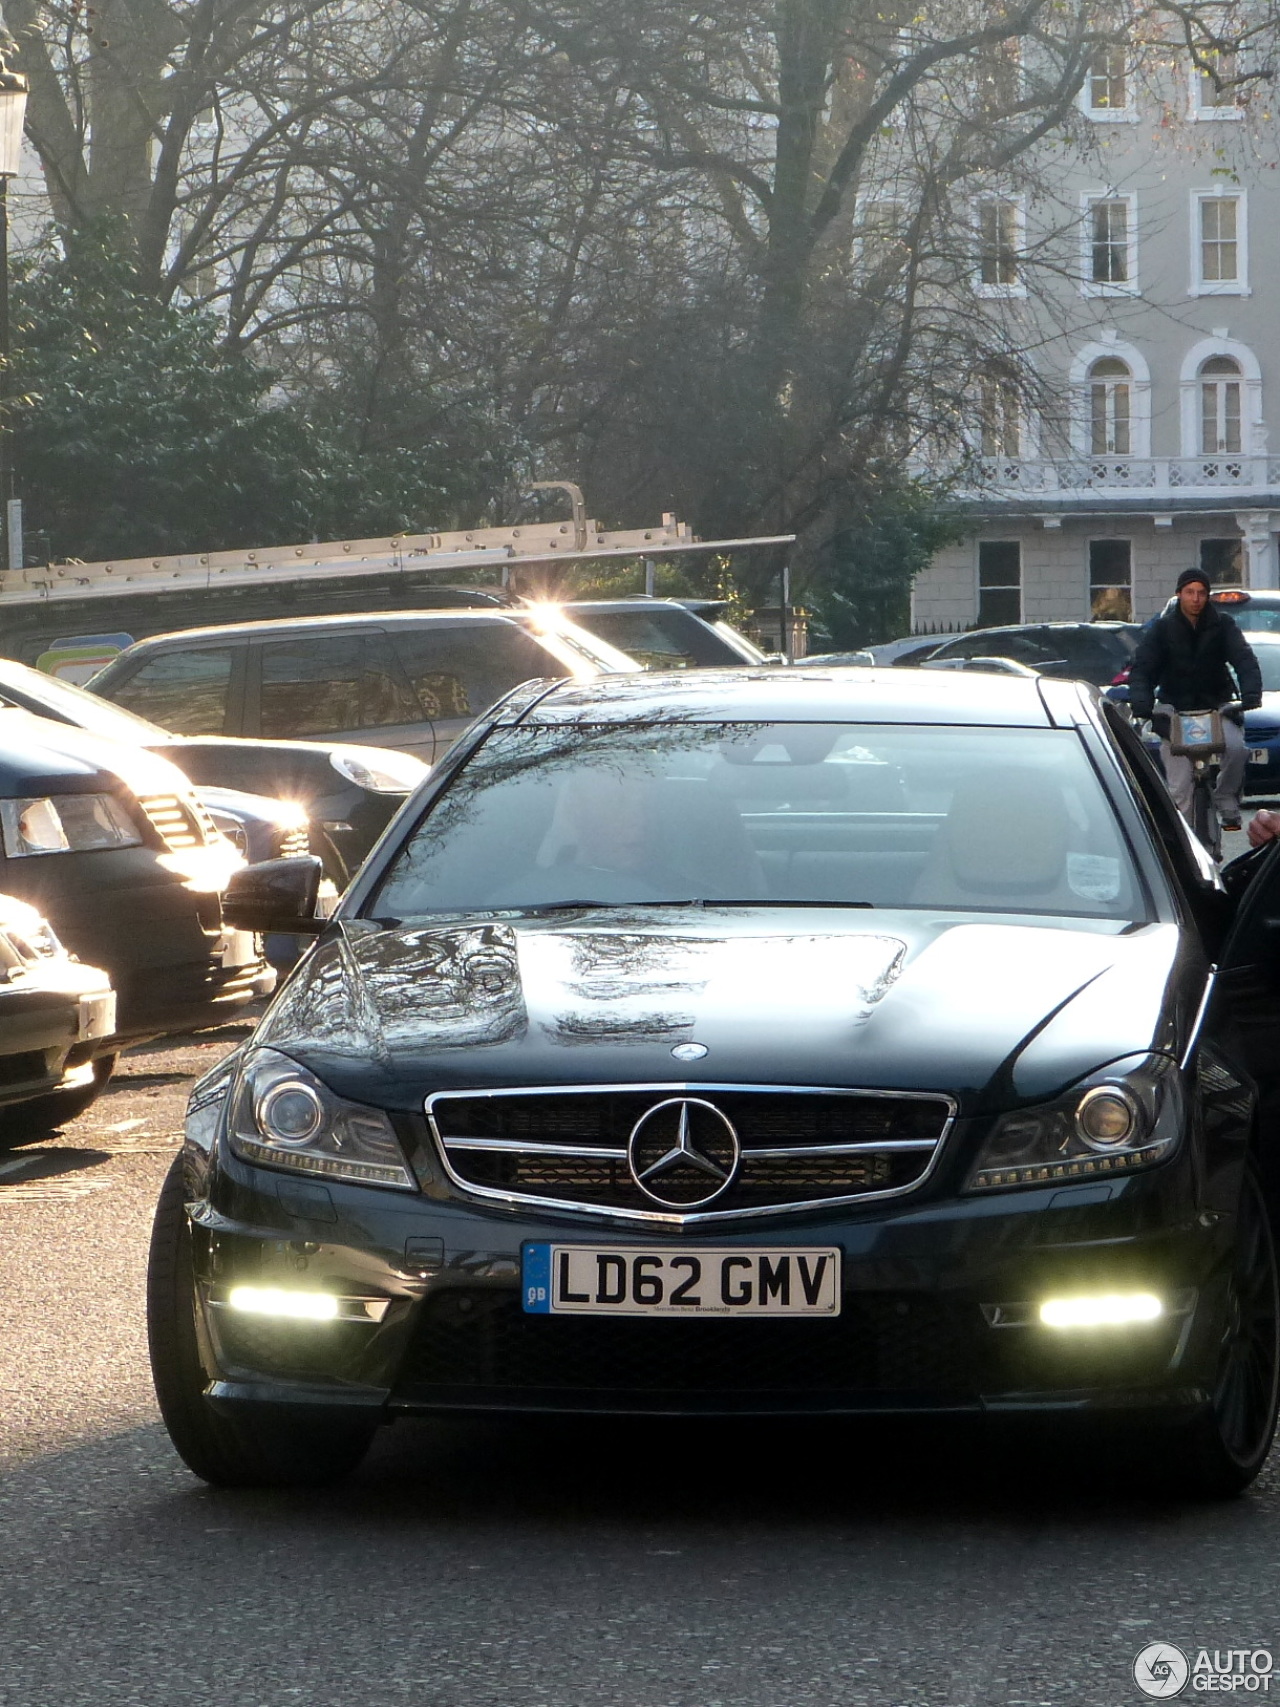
(13, 110)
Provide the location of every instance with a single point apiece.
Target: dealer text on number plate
(633, 1281)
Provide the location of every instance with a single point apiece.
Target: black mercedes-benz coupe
(774, 1042)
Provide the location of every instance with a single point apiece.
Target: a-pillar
(1261, 559)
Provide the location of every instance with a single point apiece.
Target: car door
(189, 690)
(336, 686)
(458, 670)
(1246, 1001)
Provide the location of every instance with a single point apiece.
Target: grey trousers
(1181, 777)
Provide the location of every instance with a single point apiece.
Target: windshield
(1257, 619)
(1269, 663)
(976, 819)
(660, 639)
(32, 690)
(581, 652)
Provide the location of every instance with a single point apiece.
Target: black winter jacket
(1185, 664)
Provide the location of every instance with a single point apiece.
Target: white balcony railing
(1067, 476)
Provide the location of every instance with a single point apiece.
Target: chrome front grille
(800, 1148)
(180, 824)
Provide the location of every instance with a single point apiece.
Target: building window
(1110, 408)
(1220, 415)
(1220, 232)
(1000, 230)
(1000, 414)
(1214, 90)
(1106, 89)
(1111, 401)
(999, 582)
(1111, 580)
(1110, 246)
(1222, 560)
(1000, 78)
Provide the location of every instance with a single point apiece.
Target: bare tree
(806, 351)
(717, 258)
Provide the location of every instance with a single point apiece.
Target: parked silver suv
(406, 679)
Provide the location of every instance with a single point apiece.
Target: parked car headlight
(285, 1117)
(29, 932)
(380, 772)
(71, 823)
(1127, 1116)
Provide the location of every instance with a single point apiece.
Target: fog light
(273, 1301)
(1107, 1310)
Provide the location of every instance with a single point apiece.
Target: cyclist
(1182, 665)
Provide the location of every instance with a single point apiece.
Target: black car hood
(994, 1010)
(39, 756)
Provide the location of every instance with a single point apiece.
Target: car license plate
(629, 1280)
(97, 1015)
(1259, 755)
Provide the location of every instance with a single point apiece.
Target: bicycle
(1198, 736)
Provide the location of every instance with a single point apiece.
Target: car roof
(873, 695)
(641, 601)
(291, 625)
(1108, 627)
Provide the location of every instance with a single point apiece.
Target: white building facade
(1154, 338)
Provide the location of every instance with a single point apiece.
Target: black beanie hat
(1189, 575)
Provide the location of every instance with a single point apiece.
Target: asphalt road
(515, 1565)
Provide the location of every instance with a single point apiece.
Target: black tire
(28, 1121)
(229, 1452)
(1226, 1446)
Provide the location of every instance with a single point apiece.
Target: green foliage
(136, 431)
(133, 432)
(862, 593)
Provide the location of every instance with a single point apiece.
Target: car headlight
(285, 1117)
(379, 771)
(1127, 1116)
(71, 823)
(29, 931)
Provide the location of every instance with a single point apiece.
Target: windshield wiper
(684, 901)
(755, 901)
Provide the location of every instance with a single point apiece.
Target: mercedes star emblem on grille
(683, 1153)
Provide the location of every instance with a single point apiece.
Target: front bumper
(173, 963)
(937, 1308)
(52, 1027)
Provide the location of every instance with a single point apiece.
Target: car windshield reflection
(971, 818)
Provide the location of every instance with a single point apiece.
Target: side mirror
(276, 895)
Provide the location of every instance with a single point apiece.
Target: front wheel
(1222, 1451)
(1204, 817)
(241, 1452)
